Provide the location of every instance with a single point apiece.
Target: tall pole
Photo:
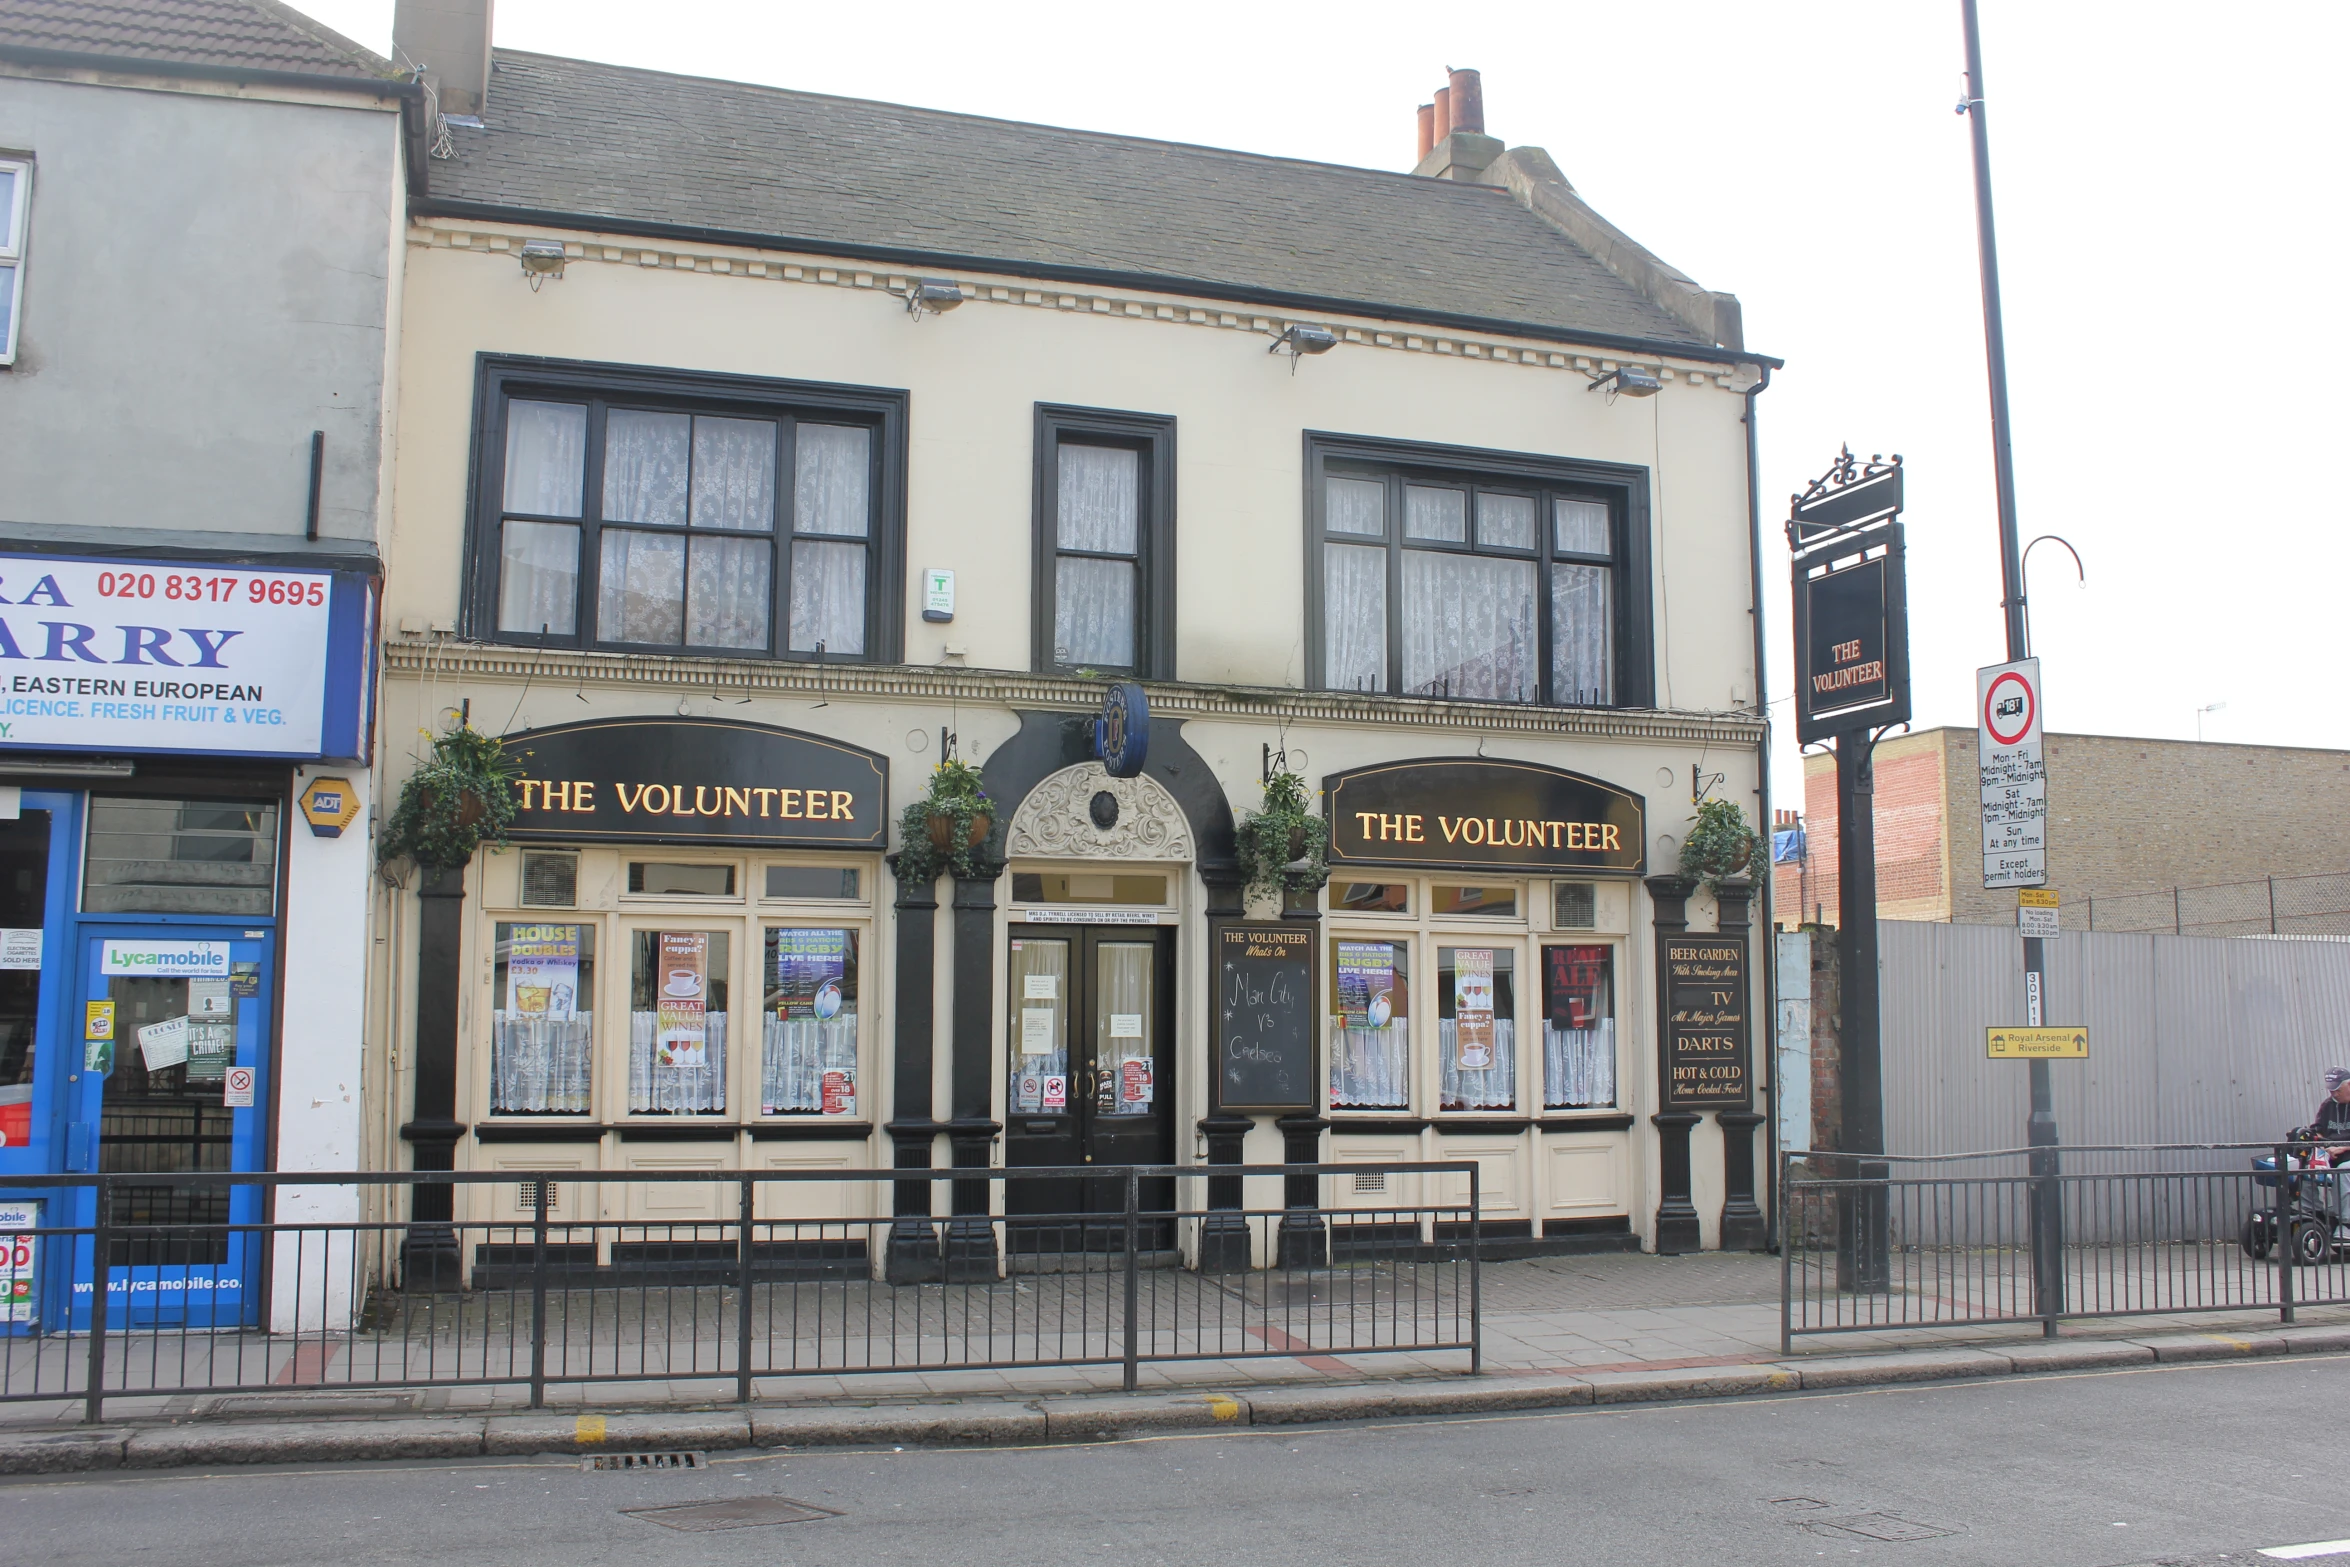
(2040, 1132)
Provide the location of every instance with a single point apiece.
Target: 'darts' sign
(1705, 1019)
(703, 780)
(1481, 815)
(154, 656)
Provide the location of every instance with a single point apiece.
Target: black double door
(1092, 1083)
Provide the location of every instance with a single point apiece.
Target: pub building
(735, 532)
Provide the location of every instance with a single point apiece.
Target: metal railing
(515, 1281)
(1875, 1242)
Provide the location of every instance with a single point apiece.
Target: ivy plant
(461, 798)
(1283, 833)
(1719, 845)
(950, 830)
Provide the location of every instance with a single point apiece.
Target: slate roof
(638, 148)
(236, 34)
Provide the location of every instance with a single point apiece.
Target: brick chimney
(450, 39)
(1452, 140)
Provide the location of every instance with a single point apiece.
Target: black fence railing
(1873, 1243)
(517, 1281)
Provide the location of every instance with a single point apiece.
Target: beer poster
(680, 985)
(1472, 1009)
(542, 972)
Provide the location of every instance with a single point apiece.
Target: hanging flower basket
(1719, 845)
(1281, 836)
(461, 798)
(948, 830)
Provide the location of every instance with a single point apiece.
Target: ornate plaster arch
(1055, 820)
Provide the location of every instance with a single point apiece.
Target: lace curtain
(1496, 1087)
(640, 589)
(827, 597)
(1469, 626)
(546, 451)
(796, 1054)
(540, 1066)
(1100, 512)
(546, 457)
(1581, 633)
(1354, 617)
(1370, 1068)
(675, 1090)
(1579, 1066)
(1041, 960)
(831, 487)
(1125, 991)
(538, 579)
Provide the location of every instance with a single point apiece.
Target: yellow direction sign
(2021, 1044)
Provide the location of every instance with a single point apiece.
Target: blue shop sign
(1122, 735)
(187, 658)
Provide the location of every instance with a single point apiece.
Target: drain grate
(741, 1512)
(618, 1463)
(1875, 1526)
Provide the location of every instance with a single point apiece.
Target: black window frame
(500, 378)
(1152, 435)
(1623, 487)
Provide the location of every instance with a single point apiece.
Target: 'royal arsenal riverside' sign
(1477, 814)
(697, 780)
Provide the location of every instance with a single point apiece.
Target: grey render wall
(208, 280)
(2192, 1039)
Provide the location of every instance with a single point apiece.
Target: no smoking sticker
(237, 1088)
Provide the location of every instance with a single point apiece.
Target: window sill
(683, 1129)
(813, 1129)
(539, 1132)
(1587, 1121)
(1347, 1123)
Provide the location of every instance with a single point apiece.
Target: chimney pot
(451, 40)
(1427, 133)
(1443, 107)
(1468, 102)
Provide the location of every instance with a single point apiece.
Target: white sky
(2170, 187)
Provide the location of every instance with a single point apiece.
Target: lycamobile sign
(156, 656)
(166, 959)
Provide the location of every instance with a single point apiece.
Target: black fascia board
(196, 70)
(1106, 277)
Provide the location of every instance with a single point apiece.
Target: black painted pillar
(1223, 1238)
(914, 1256)
(429, 1253)
(1743, 1228)
(971, 1133)
(1305, 1234)
(1676, 1211)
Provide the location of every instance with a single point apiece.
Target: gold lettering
(1363, 823)
(583, 796)
(787, 804)
(818, 801)
(1412, 830)
(1574, 835)
(1452, 834)
(631, 805)
(738, 801)
(677, 802)
(764, 795)
(703, 810)
(1389, 828)
(526, 785)
(843, 807)
(1609, 831)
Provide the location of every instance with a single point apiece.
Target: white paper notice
(164, 1044)
(1036, 1031)
(1040, 987)
(20, 949)
(209, 998)
(1126, 1025)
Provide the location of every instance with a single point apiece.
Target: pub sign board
(1852, 635)
(1476, 815)
(698, 781)
(1705, 1020)
(1266, 1025)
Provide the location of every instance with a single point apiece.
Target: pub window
(677, 1018)
(676, 513)
(1105, 536)
(1490, 902)
(165, 856)
(1578, 1028)
(1370, 1025)
(542, 1019)
(1371, 897)
(1574, 905)
(1476, 1028)
(814, 881)
(16, 200)
(808, 1053)
(663, 878)
(1088, 887)
(1484, 577)
(549, 880)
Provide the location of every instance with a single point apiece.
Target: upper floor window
(1480, 577)
(1105, 541)
(16, 204)
(675, 513)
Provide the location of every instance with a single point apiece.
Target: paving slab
(62, 1452)
(892, 1425)
(304, 1441)
(1921, 1365)
(1639, 1387)
(685, 1429)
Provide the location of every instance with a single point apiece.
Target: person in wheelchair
(2331, 1124)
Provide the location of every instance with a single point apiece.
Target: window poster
(839, 1092)
(1472, 1009)
(811, 970)
(164, 1044)
(680, 985)
(1366, 983)
(1574, 983)
(542, 972)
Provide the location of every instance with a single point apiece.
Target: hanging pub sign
(1851, 600)
(1122, 735)
(1475, 814)
(696, 780)
(1705, 1022)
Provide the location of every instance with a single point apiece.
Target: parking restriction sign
(2013, 776)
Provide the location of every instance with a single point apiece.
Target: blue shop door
(176, 1084)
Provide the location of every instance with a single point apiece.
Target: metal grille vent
(1370, 1180)
(618, 1463)
(527, 1194)
(1574, 905)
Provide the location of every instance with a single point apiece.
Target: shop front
(164, 821)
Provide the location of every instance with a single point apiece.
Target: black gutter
(1768, 922)
(78, 60)
(1105, 277)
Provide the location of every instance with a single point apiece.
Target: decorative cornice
(503, 241)
(935, 684)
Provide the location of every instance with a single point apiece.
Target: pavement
(1559, 1333)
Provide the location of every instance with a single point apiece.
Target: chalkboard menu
(1705, 1020)
(1265, 1022)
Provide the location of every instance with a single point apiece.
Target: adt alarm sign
(2014, 777)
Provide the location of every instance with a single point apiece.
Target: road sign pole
(2041, 1131)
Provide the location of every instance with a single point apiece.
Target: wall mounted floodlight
(541, 260)
(932, 296)
(1296, 341)
(1628, 381)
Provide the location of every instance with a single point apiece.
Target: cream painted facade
(973, 380)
